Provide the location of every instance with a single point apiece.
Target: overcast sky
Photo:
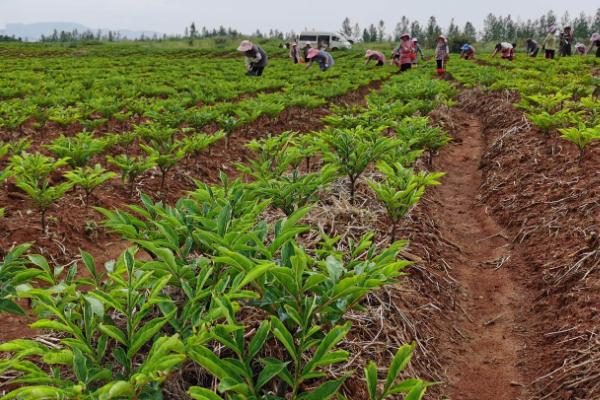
(171, 16)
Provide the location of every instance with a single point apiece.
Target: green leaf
(96, 305)
(259, 339)
(114, 390)
(200, 393)
(59, 357)
(52, 325)
(333, 337)
(209, 361)
(334, 268)
(10, 306)
(113, 332)
(271, 370)
(399, 363)
(38, 392)
(326, 391)
(371, 377)
(148, 331)
(254, 274)
(417, 392)
(284, 336)
(89, 263)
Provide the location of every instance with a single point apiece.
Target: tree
(581, 27)
(192, 33)
(526, 30)
(356, 31)
(510, 30)
(469, 32)
(596, 23)
(432, 31)
(542, 26)
(492, 28)
(401, 27)
(453, 29)
(366, 36)
(381, 31)
(372, 33)
(566, 19)
(347, 27)
(416, 31)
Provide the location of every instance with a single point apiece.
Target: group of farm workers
(406, 54)
(553, 43)
(256, 59)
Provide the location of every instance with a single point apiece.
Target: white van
(324, 40)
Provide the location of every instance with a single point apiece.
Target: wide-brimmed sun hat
(245, 45)
(595, 36)
(405, 34)
(552, 29)
(369, 53)
(443, 38)
(313, 53)
(415, 39)
(465, 47)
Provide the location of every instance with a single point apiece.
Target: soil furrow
(486, 364)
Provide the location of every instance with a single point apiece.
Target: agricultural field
(173, 229)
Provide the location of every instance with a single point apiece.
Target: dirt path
(486, 366)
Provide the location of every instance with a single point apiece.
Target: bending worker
(506, 49)
(533, 48)
(255, 58)
(467, 52)
(377, 56)
(322, 57)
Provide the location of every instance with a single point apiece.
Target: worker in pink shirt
(404, 53)
(377, 56)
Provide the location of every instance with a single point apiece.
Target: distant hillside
(33, 32)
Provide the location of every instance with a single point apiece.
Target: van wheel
(334, 49)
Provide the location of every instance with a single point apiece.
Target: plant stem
(352, 189)
(43, 211)
(162, 180)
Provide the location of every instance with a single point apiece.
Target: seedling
(89, 178)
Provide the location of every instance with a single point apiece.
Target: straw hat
(245, 46)
(313, 53)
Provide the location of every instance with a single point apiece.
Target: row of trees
(6, 38)
(495, 28)
(90, 36)
(498, 27)
(427, 34)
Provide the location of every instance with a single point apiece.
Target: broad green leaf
(259, 339)
(271, 369)
(113, 332)
(200, 393)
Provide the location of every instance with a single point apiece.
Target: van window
(308, 38)
(335, 39)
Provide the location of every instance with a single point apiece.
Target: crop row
(165, 135)
(230, 300)
(93, 90)
(559, 96)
